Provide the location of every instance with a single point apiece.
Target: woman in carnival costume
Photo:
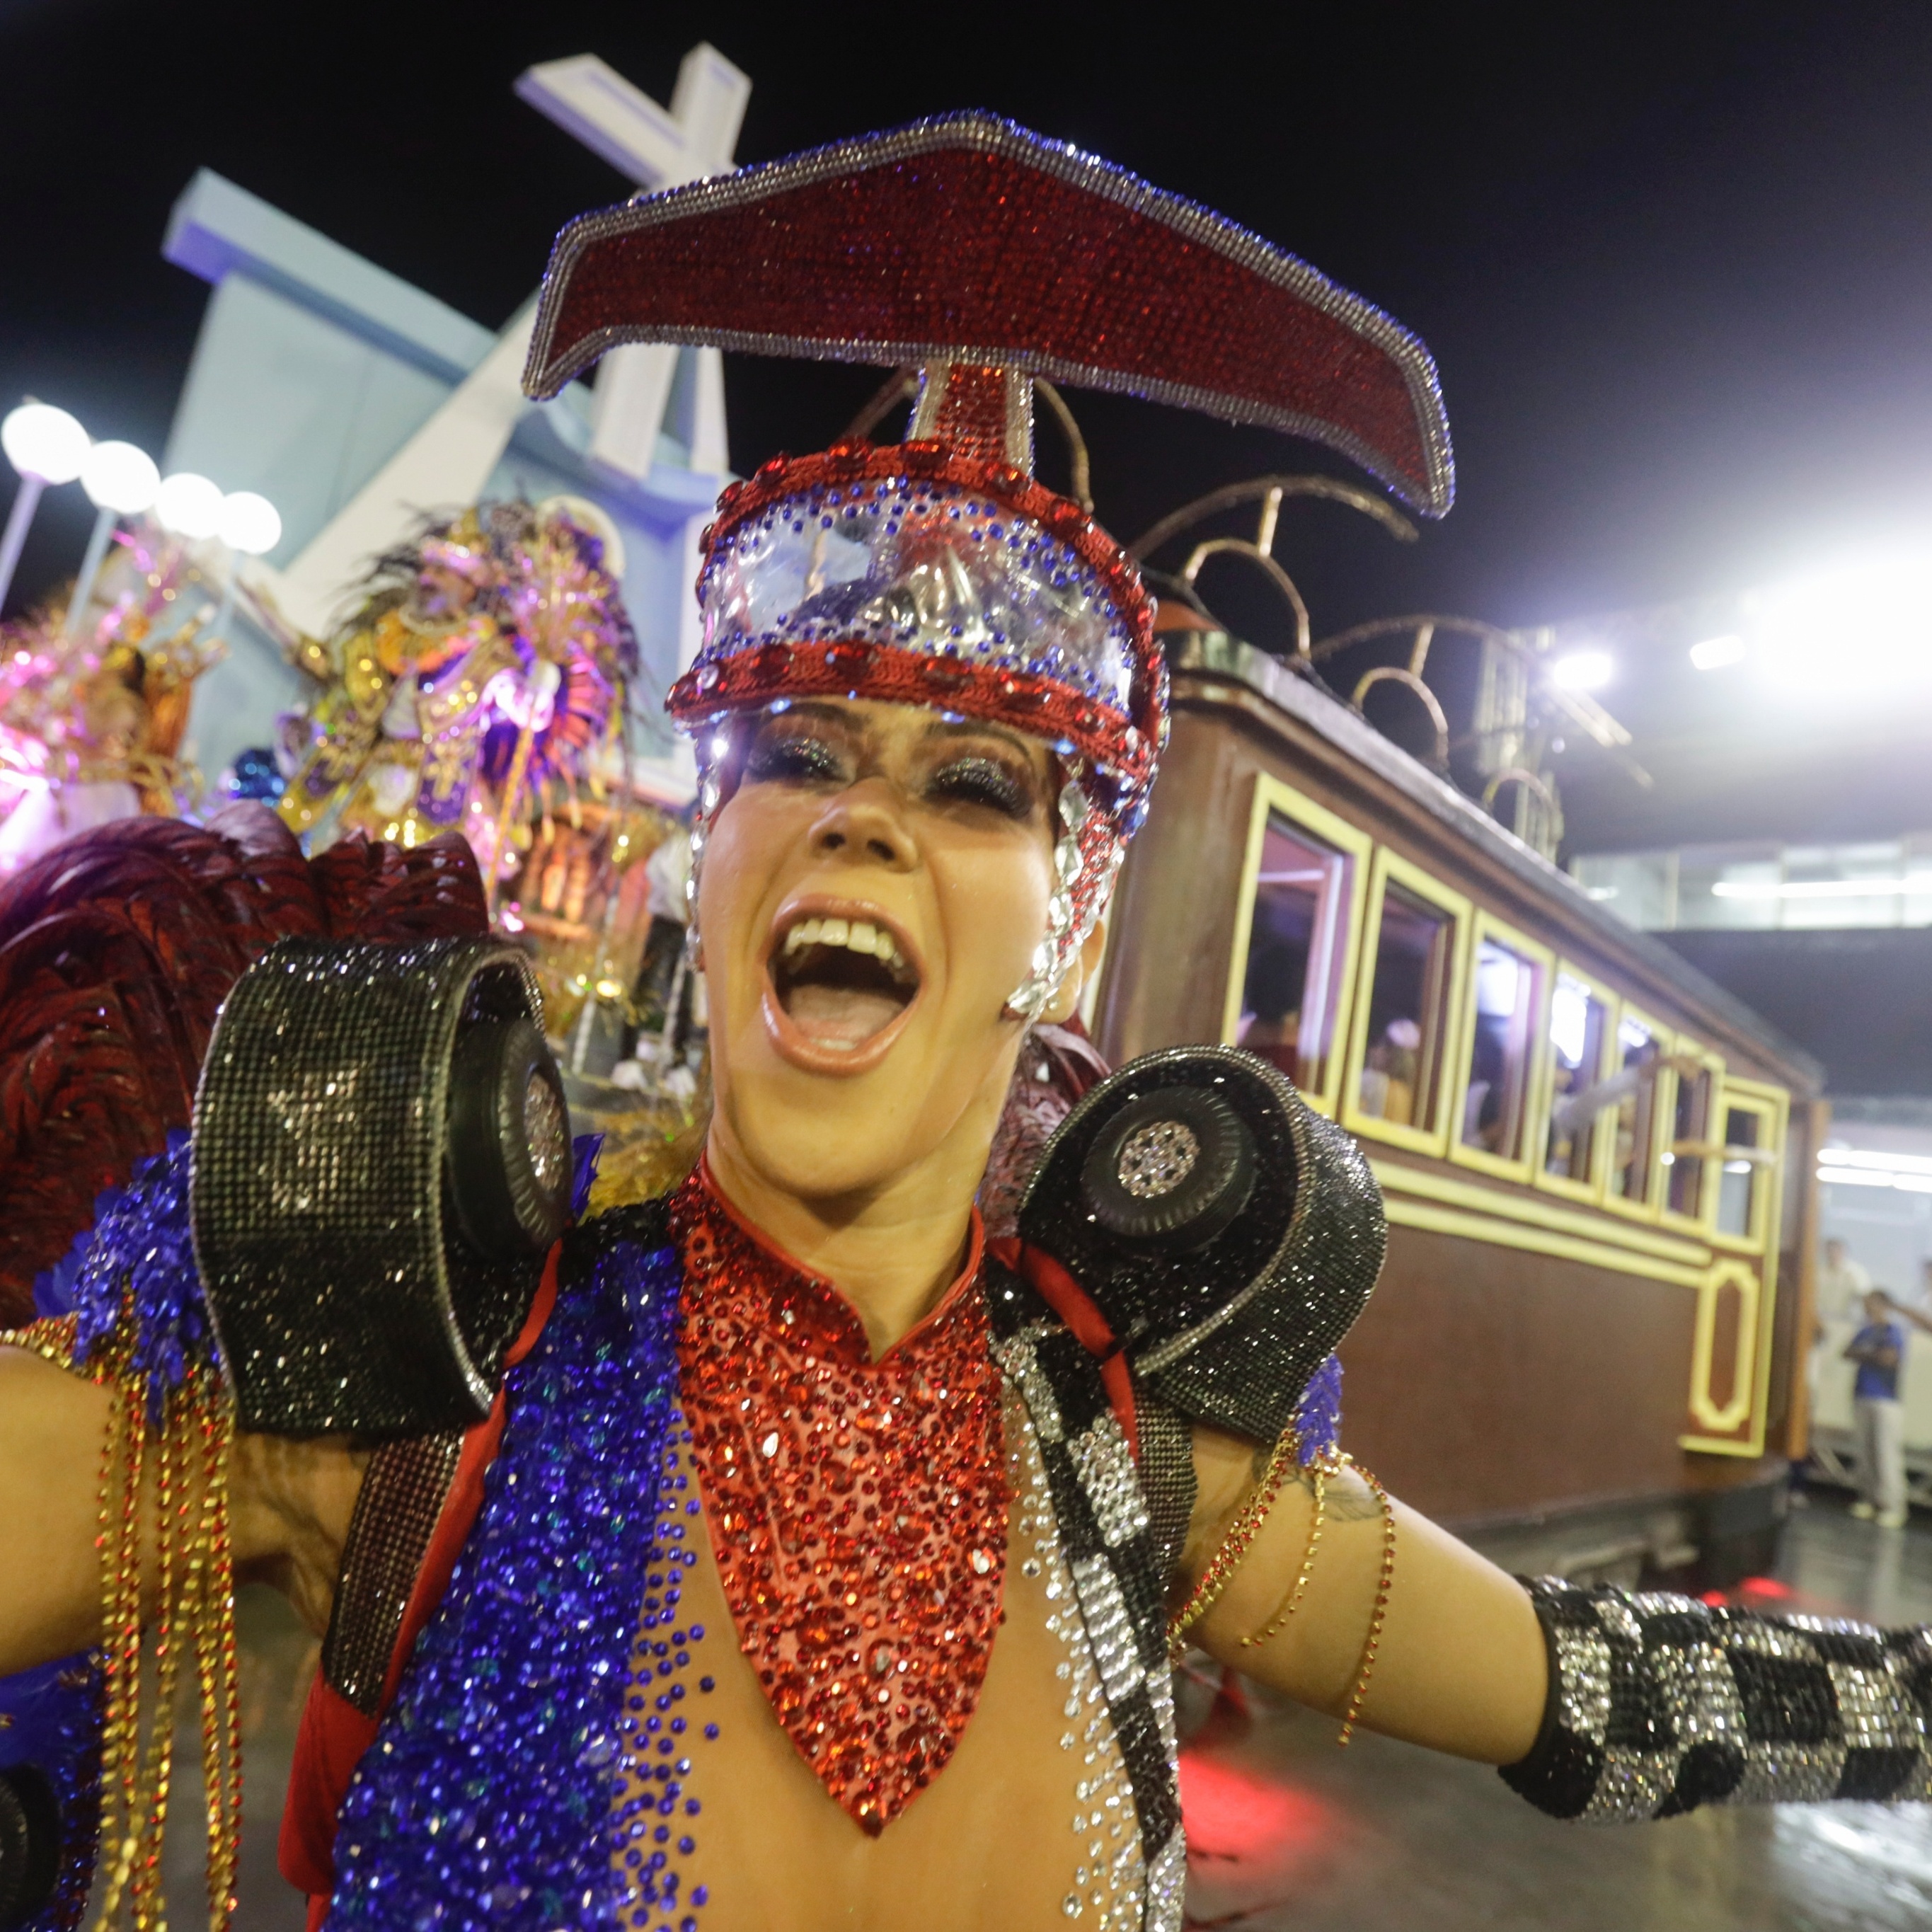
(780, 1552)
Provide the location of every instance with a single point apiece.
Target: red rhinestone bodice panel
(857, 1509)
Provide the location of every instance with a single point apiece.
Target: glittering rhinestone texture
(319, 1138)
(497, 1793)
(1156, 1158)
(857, 1509)
(1109, 1871)
(927, 567)
(974, 590)
(1659, 1704)
(138, 1265)
(1110, 1565)
(659, 1730)
(1233, 1332)
(403, 1490)
(967, 238)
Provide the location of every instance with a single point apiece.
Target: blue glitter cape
(491, 1796)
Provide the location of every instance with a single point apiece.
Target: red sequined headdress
(938, 571)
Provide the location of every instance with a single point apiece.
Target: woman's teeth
(858, 935)
(841, 981)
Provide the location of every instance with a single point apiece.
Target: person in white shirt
(1843, 1285)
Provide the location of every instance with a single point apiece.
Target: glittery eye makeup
(797, 756)
(952, 766)
(976, 778)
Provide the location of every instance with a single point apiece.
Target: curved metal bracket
(1535, 783)
(1410, 680)
(1260, 490)
(901, 386)
(1276, 575)
(1076, 444)
(1425, 624)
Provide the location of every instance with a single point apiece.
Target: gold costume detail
(173, 1476)
(1234, 1546)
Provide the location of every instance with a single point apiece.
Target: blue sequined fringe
(1318, 1416)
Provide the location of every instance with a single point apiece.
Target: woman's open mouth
(840, 982)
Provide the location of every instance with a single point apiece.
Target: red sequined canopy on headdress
(968, 239)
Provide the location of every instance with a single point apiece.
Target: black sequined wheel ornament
(381, 1155)
(1172, 1168)
(1229, 1234)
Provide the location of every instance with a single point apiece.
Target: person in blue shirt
(1878, 1350)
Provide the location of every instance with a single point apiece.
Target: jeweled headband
(938, 571)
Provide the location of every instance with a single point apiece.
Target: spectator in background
(1879, 1349)
(1271, 1027)
(1843, 1285)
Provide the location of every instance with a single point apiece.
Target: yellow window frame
(1271, 796)
(1772, 1106)
(1391, 867)
(1646, 1208)
(1750, 1374)
(1602, 1139)
(1705, 1217)
(1484, 924)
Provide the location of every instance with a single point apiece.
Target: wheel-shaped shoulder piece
(1229, 1234)
(381, 1157)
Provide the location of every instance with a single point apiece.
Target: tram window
(1297, 946)
(1637, 1052)
(1577, 1021)
(1737, 1185)
(1684, 1191)
(1499, 1054)
(1406, 1002)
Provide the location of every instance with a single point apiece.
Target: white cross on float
(588, 99)
(450, 459)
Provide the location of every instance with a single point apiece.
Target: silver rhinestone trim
(1109, 1629)
(1105, 1467)
(1156, 1158)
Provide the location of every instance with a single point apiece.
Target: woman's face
(871, 895)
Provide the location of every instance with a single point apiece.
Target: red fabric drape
(1077, 1309)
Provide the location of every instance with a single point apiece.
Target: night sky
(1675, 263)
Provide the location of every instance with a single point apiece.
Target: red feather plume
(117, 949)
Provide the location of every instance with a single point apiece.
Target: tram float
(1586, 1352)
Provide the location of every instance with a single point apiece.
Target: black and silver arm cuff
(1658, 1704)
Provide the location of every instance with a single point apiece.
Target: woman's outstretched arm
(1461, 1665)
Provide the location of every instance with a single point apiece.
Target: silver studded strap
(1105, 1541)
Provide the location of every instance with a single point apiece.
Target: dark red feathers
(116, 951)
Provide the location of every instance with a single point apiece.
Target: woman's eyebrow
(825, 714)
(979, 727)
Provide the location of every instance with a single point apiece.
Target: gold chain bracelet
(1234, 1546)
(1274, 1624)
(1380, 1614)
(182, 1462)
(1240, 1539)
